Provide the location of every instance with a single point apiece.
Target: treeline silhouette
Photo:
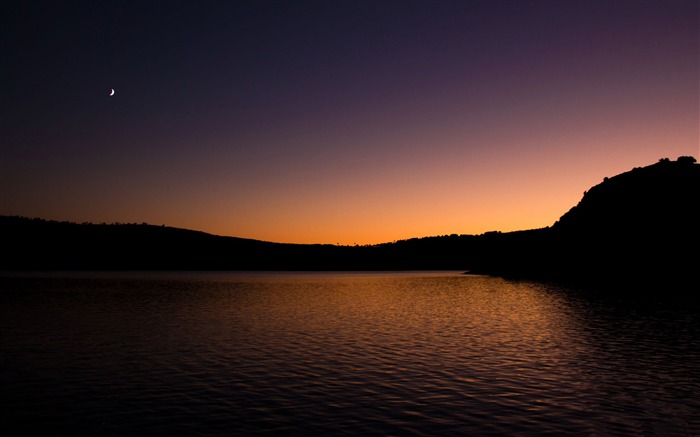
(39, 244)
(640, 224)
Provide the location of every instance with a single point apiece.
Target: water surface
(416, 353)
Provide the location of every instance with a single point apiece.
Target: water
(419, 353)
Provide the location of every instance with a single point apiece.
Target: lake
(405, 353)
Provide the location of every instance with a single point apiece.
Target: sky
(337, 121)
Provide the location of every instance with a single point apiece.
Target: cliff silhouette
(641, 225)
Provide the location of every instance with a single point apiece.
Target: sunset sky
(351, 122)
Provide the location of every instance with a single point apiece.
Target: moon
(111, 93)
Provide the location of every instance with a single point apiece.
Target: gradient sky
(338, 121)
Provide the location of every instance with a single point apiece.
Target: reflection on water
(339, 353)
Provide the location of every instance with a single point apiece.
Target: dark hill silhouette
(640, 224)
(38, 244)
(41, 244)
(653, 200)
(643, 222)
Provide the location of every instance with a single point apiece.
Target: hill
(642, 223)
(38, 244)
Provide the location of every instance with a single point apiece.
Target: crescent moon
(111, 92)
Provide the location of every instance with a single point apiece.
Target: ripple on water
(412, 353)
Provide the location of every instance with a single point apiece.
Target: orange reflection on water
(439, 325)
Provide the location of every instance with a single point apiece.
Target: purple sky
(338, 121)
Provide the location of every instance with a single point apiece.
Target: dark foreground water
(340, 353)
